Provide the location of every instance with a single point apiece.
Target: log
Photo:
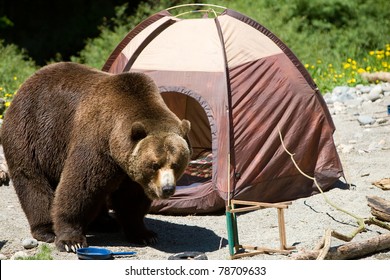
(350, 250)
(380, 207)
(378, 76)
(384, 184)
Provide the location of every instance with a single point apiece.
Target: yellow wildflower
(15, 78)
(361, 70)
(7, 104)
(372, 52)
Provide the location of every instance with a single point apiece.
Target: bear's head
(158, 158)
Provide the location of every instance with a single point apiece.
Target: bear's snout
(168, 190)
(167, 182)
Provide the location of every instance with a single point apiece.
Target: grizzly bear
(75, 138)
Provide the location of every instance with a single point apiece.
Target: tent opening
(199, 169)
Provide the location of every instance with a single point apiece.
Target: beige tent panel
(135, 43)
(244, 43)
(198, 50)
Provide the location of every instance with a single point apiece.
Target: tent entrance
(184, 106)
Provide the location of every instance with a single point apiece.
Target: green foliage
(97, 50)
(330, 31)
(326, 35)
(15, 67)
(44, 253)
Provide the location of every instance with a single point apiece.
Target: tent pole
(228, 182)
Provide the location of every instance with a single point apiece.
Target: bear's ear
(138, 131)
(185, 127)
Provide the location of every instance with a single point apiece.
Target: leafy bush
(330, 31)
(15, 67)
(97, 50)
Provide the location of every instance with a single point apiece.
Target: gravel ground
(364, 152)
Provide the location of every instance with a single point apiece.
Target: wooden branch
(350, 250)
(380, 207)
(378, 76)
(383, 184)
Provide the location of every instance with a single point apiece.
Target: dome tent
(238, 85)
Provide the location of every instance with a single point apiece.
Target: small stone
(386, 87)
(29, 243)
(366, 120)
(375, 93)
(377, 146)
(346, 149)
(338, 107)
(381, 121)
(340, 90)
(2, 257)
(20, 254)
(365, 89)
(353, 103)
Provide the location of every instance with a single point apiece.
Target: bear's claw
(73, 248)
(70, 245)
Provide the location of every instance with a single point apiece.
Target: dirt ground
(364, 152)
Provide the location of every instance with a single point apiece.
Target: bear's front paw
(146, 237)
(71, 244)
(47, 237)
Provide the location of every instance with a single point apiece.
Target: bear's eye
(174, 166)
(155, 166)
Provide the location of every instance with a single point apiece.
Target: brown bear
(75, 136)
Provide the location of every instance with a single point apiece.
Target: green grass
(44, 253)
(334, 39)
(15, 67)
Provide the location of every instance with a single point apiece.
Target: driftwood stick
(359, 220)
(324, 251)
(378, 76)
(380, 207)
(350, 250)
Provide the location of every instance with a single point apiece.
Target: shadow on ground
(172, 238)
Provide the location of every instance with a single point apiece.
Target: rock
(340, 90)
(381, 121)
(375, 93)
(353, 103)
(29, 243)
(366, 120)
(2, 257)
(328, 98)
(338, 107)
(386, 87)
(345, 149)
(365, 89)
(377, 146)
(20, 254)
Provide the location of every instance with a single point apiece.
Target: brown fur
(74, 136)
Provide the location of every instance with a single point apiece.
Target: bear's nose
(168, 190)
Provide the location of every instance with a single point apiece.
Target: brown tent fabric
(239, 85)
